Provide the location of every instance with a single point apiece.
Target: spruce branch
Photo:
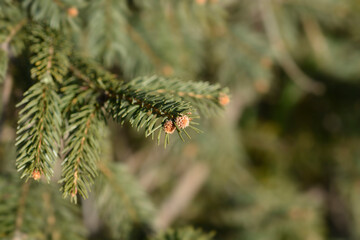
(88, 90)
(204, 97)
(143, 110)
(49, 54)
(38, 131)
(81, 151)
(75, 94)
(140, 107)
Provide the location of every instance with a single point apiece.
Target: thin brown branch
(8, 82)
(13, 32)
(316, 38)
(6, 93)
(185, 191)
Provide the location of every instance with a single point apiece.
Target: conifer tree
(116, 119)
(71, 97)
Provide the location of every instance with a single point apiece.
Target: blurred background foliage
(283, 160)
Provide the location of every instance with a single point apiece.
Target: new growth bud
(72, 12)
(224, 99)
(169, 127)
(182, 121)
(36, 175)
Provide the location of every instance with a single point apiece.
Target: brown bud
(224, 99)
(72, 12)
(169, 127)
(182, 121)
(201, 2)
(36, 175)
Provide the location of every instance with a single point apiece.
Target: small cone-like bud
(201, 2)
(36, 175)
(169, 127)
(182, 121)
(224, 99)
(72, 12)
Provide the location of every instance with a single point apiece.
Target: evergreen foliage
(82, 150)
(49, 54)
(280, 164)
(39, 130)
(35, 210)
(41, 120)
(202, 96)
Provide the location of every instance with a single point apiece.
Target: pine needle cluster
(62, 115)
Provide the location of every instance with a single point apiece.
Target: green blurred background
(284, 160)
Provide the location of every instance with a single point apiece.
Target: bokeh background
(282, 161)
